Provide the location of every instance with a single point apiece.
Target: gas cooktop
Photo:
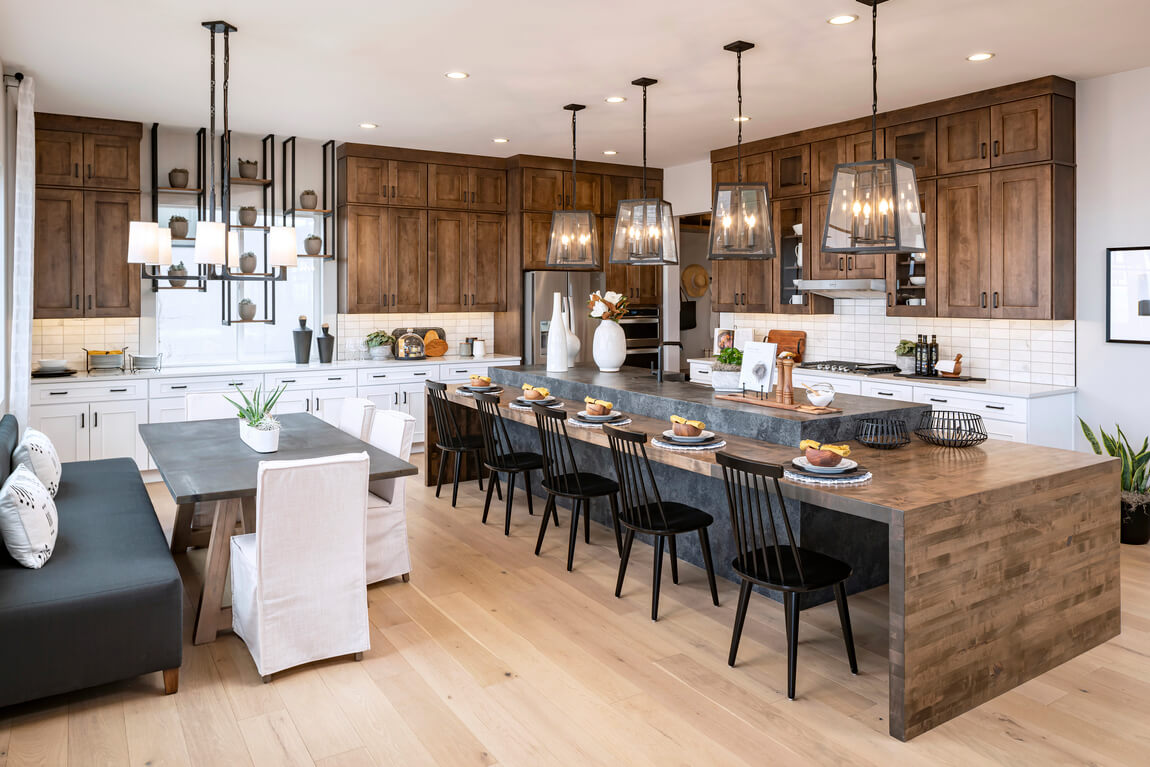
(858, 368)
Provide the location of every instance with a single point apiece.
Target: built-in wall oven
(642, 328)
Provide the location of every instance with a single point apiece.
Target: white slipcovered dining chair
(387, 551)
(299, 592)
(355, 417)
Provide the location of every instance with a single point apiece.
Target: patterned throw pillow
(27, 518)
(38, 452)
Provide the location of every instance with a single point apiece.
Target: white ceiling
(318, 69)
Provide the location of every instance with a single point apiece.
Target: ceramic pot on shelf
(609, 346)
(557, 338)
(176, 273)
(905, 363)
(312, 245)
(179, 228)
(247, 311)
(247, 262)
(247, 216)
(178, 178)
(249, 169)
(309, 200)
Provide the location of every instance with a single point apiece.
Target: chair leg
(439, 475)
(406, 577)
(792, 643)
(487, 503)
(615, 523)
(266, 678)
(527, 487)
(171, 680)
(587, 520)
(543, 524)
(510, 497)
(674, 559)
(845, 620)
(479, 470)
(574, 534)
(626, 555)
(705, 545)
(498, 485)
(455, 480)
(554, 512)
(358, 656)
(655, 579)
(740, 617)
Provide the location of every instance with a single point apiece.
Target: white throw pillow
(27, 518)
(36, 450)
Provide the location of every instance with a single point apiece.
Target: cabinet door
(115, 430)
(788, 266)
(111, 162)
(857, 148)
(167, 410)
(648, 284)
(111, 284)
(616, 188)
(413, 401)
(758, 286)
(1020, 131)
(407, 261)
(616, 277)
(383, 397)
(791, 169)
(328, 403)
(728, 285)
(587, 194)
(488, 190)
(825, 155)
(66, 425)
(536, 235)
(368, 239)
(725, 172)
(59, 253)
(1021, 254)
(448, 186)
(59, 156)
(448, 269)
(964, 271)
(293, 401)
(824, 266)
(542, 189)
(866, 266)
(408, 183)
(487, 265)
(964, 141)
(914, 143)
(367, 181)
(900, 267)
(757, 168)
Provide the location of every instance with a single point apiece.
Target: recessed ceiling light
(456, 75)
(981, 56)
(368, 125)
(500, 140)
(614, 99)
(742, 119)
(846, 18)
(610, 152)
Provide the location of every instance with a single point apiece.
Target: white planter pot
(381, 352)
(725, 380)
(609, 347)
(260, 440)
(905, 363)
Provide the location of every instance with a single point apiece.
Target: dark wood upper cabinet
(587, 194)
(408, 183)
(825, 155)
(536, 235)
(111, 162)
(1021, 256)
(963, 141)
(448, 186)
(59, 158)
(367, 181)
(857, 148)
(964, 246)
(823, 266)
(363, 281)
(488, 189)
(914, 143)
(728, 281)
(1020, 132)
(757, 169)
(791, 169)
(725, 172)
(406, 261)
(487, 263)
(616, 188)
(59, 254)
(448, 281)
(111, 284)
(542, 189)
(900, 267)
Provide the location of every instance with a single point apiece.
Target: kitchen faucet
(658, 372)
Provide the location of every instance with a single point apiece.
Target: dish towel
(688, 448)
(582, 425)
(861, 479)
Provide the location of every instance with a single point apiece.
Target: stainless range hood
(844, 288)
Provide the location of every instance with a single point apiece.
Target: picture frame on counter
(724, 339)
(758, 370)
(1128, 295)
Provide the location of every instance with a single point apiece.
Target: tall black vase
(325, 342)
(302, 340)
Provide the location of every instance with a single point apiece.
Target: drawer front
(701, 373)
(884, 390)
(1008, 430)
(998, 408)
(120, 388)
(842, 385)
(460, 372)
(311, 380)
(387, 375)
(173, 387)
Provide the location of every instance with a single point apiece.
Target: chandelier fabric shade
(282, 246)
(574, 243)
(874, 208)
(211, 243)
(233, 249)
(143, 239)
(163, 248)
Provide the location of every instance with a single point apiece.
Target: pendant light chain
(226, 152)
(644, 142)
(739, 87)
(212, 139)
(874, 81)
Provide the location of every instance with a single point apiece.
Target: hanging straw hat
(695, 281)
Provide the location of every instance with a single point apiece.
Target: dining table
(205, 462)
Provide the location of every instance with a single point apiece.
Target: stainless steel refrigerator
(538, 289)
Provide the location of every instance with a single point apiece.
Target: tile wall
(1028, 351)
(456, 327)
(67, 339)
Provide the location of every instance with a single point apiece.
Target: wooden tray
(770, 402)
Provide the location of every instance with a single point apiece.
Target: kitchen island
(1002, 559)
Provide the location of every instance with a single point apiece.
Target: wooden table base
(211, 616)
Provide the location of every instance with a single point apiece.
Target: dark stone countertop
(639, 393)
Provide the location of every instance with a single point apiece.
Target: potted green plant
(249, 168)
(247, 309)
(258, 429)
(179, 227)
(727, 370)
(247, 262)
(313, 244)
(177, 270)
(904, 355)
(379, 344)
(1135, 481)
(178, 178)
(247, 215)
(308, 199)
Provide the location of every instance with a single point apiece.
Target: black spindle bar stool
(500, 457)
(562, 479)
(451, 440)
(779, 566)
(644, 511)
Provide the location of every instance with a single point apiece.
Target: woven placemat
(859, 479)
(582, 425)
(688, 448)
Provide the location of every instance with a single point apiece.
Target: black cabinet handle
(181, 386)
(982, 150)
(885, 393)
(385, 299)
(89, 300)
(465, 299)
(461, 371)
(380, 375)
(335, 378)
(393, 191)
(841, 264)
(932, 399)
(392, 300)
(116, 391)
(744, 297)
(54, 393)
(984, 299)
(419, 374)
(890, 299)
(81, 420)
(850, 263)
(89, 170)
(396, 394)
(76, 170)
(996, 147)
(804, 178)
(307, 405)
(996, 407)
(996, 299)
(77, 300)
(95, 419)
(287, 380)
(405, 398)
(473, 299)
(317, 404)
(736, 302)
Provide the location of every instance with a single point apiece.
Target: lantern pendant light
(874, 205)
(644, 228)
(573, 245)
(741, 216)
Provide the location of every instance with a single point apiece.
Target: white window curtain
(23, 234)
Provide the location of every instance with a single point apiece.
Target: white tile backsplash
(1031, 351)
(67, 339)
(456, 326)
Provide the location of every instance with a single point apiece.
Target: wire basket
(951, 428)
(882, 433)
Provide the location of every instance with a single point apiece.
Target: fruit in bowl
(535, 392)
(598, 406)
(684, 428)
(480, 381)
(824, 455)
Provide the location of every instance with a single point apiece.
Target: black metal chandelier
(573, 245)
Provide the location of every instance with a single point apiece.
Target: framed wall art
(1128, 295)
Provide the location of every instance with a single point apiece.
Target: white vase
(725, 380)
(573, 342)
(260, 440)
(609, 346)
(557, 339)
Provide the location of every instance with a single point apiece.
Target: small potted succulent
(379, 344)
(904, 356)
(308, 199)
(247, 262)
(176, 271)
(178, 178)
(1135, 506)
(249, 168)
(247, 215)
(179, 227)
(727, 370)
(313, 244)
(258, 429)
(247, 309)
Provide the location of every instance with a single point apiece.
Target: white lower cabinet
(89, 431)
(323, 403)
(406, 398)
(66, 425)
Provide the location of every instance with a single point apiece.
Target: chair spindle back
(750, 487)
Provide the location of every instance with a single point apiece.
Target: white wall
(688, 187)
(1113, 115)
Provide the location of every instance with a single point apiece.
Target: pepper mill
(786, 380)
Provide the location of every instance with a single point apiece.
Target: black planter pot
(1136, 523)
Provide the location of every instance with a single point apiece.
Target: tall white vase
(557, 339)
(573, 342)
(609, 348)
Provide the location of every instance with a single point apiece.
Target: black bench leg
(487, 503)
(791, 600)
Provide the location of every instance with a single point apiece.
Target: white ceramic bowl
(918, 280)
(916, 302)
(50, 365)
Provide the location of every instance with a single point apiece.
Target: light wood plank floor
(492, 656)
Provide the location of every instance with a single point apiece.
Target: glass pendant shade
(573, 244)
(644, 233)
(142, 237)
(163, 248)
(211, 243)
(282, 246)
(741, 223)
(874, 208)
(233, 249)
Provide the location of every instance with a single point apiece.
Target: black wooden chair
(644, 511)
(499, 456)
(562, 479)
(775, 564)
(450, 439)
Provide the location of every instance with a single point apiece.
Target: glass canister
(410, 346)
(820, 394)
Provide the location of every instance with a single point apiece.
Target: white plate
(525, 401)
(845, 465)
(600, 418)
(703, 436)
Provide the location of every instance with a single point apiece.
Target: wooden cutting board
(794, 341)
